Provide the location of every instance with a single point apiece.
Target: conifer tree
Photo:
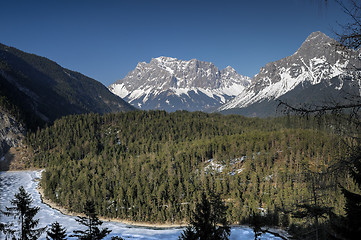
(117, 238)
(23, 211)
(312, 208)
(91, 221)
(256, 223)
(6, 229)
(349, 226)
(208, 221)
(57, 232)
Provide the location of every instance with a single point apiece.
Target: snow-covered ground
(11, 181)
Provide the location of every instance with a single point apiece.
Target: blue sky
(106, 39)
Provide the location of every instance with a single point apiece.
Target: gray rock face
(11, 132)
(171, 84)
(319, 60)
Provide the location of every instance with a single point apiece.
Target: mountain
(171, 84)
(37, 90)
(319, 71)
(11, 133)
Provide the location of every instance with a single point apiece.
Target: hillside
(37, 90)
(153, 166)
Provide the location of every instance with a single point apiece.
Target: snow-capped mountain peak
(171, 84)
(318, 60)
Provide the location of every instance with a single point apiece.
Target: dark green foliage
(349, 226)
(353, 211)
(92, 223)
(310, 211)
(152, 166)
(256, 223)
(56, 232)
(208, 221)
(23, 211)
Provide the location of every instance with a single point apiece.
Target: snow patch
(119, 89)
(181, 77)
(213, 165)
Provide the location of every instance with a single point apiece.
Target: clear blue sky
(106, 39)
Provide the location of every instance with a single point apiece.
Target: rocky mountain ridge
(320, 63)
(11, 133)
(171, 84)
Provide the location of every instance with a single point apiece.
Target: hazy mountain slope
(41, 89)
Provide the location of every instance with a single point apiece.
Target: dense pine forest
(154, 166)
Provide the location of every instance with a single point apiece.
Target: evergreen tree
(256, 222)
(92, 222)
(153, 163)
(7, 230)
(349, 226)
(57, 232)
(208, 221)
(312, 208)
(25, 213)
(116, 238)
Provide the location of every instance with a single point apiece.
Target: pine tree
(25, 213)
(6, 229)
(349, 226)
(91, 221)
(116, 238)
(57, 232)
(256, 222)
(312, 208)
(208, 221)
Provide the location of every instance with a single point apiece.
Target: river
(11, 181)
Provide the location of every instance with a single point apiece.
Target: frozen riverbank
(136, 224)
(11, 181)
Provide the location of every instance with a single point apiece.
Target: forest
(153, 166)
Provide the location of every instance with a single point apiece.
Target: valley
(152, 157)
(150, 166)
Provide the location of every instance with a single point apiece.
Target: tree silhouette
(116, 238)
(23, 211)
(92, 222)
(56, 232)
(349, 226)
(208, 221)
(6, 229)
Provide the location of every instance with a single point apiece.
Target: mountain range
(319, 71)
(37, 90)
(170, 84)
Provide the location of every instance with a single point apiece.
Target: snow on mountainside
(171, 84)
(318, 61)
